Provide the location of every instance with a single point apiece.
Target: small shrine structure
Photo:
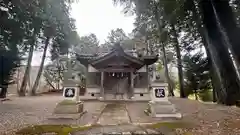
(118, 75)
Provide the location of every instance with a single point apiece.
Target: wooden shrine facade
(117, 74)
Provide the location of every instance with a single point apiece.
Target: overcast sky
(98, 17)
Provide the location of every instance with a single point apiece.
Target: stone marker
(160, 105)
(71, 106)
(71, 93)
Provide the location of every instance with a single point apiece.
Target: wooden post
(148, 78)
(132, 84)
(77, 94)
(102, 80)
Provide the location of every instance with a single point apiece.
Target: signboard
(159, 93)
(69, 92)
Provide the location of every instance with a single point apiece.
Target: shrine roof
(117, 53)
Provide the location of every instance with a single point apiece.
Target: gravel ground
(20, 112)
(210, 119)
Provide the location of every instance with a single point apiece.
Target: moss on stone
(58, 129)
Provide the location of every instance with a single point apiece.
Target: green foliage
(11, 37)
(116, 35)
(206, 95)
(27, 24)
(65, 35)
(159, 66)
(58, 70)
(195, 25)
(9, 61)
(236, 8)
(196, 70)
(28, 20)
(88, 44)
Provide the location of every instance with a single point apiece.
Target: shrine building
(118, 75)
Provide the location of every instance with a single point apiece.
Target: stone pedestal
(160, 106)
(68, 110)
(70, 107)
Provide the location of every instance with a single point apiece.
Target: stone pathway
(127, 129)
(120, 118)
(94, 110)
(114, 113)
(136, 112)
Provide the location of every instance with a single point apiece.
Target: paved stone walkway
(114, 113)
(127, 129)
(136, 112)
(120, 118)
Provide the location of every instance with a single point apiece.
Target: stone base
(174, 115)
(73, 108)
(163, 109)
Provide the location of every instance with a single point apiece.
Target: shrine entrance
(116, 85)
(117, 75)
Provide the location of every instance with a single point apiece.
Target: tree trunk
(196, 95)
(36, 83)
(51, 85)
(22, 91)
(18, 70)
(59, 74)
(220, 57)
(228, 22)
(170, 87)
(3, 92)
(213, 74)
(214, 79)
(214, 96)
(216, 74)
(179, 62)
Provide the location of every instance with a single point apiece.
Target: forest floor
(210, 118)
(205, 118)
